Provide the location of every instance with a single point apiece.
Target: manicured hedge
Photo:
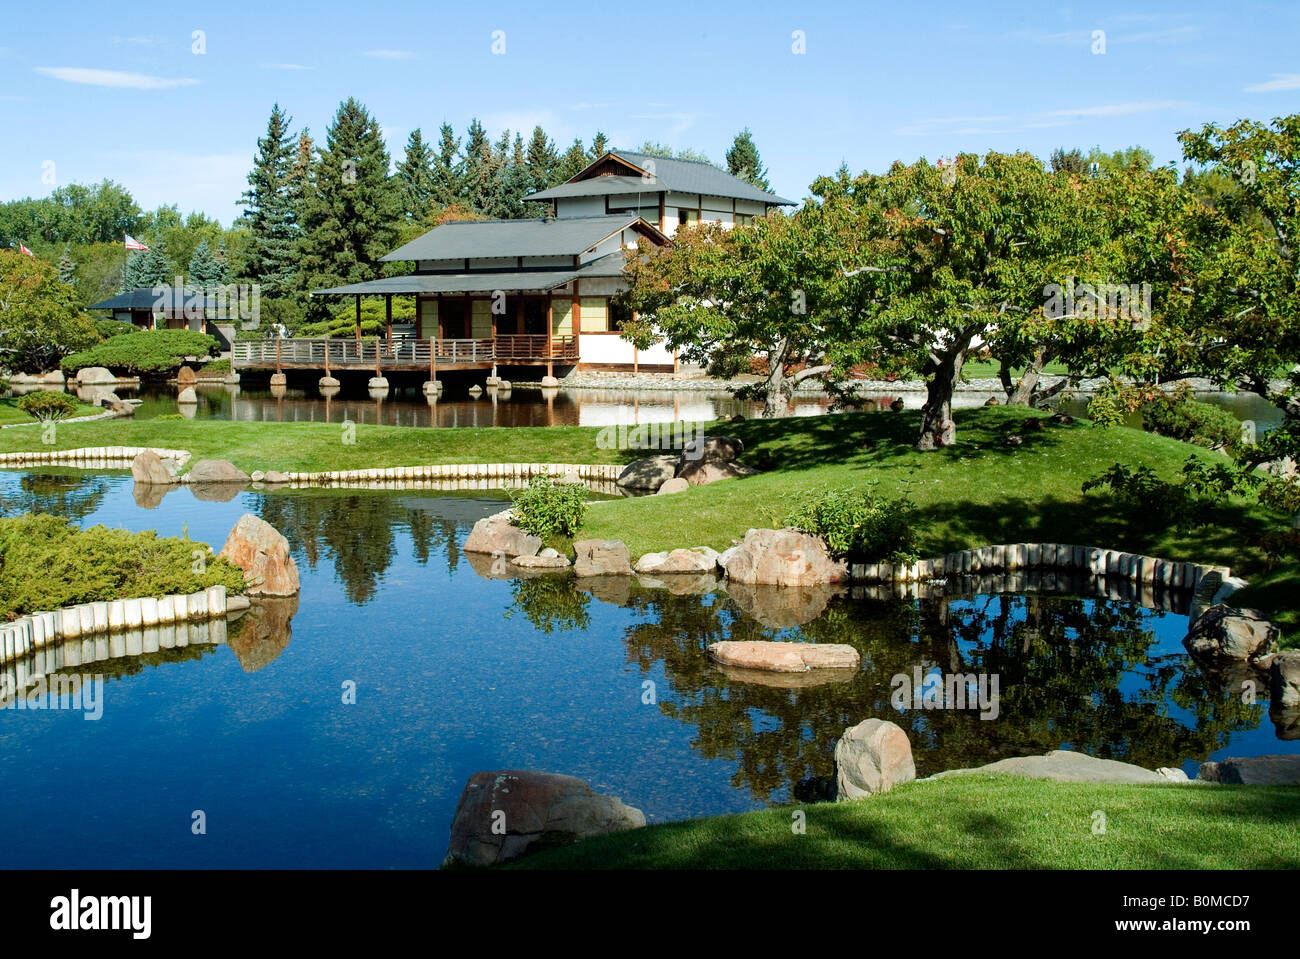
(146, 351)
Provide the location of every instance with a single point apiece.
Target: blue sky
(95, 91)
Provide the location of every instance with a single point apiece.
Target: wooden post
(550, 365)
(358, 326)
(277, 354)
(388, 320)
(377, 373)
(327, 353)
(433, 359)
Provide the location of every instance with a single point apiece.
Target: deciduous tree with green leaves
(41, 320)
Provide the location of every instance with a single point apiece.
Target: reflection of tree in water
(70, 495)
(1060, 661)
(356, 533)
(550, 601)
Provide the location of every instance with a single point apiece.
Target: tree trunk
(779, 388)
(937, 427)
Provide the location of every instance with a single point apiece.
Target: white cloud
(284, 66)
(140, 41)
(1280, 81)
(1122, 109)
(115, 78)
(389, 54)
(994, 124)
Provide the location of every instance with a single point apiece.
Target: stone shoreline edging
(601, 472)
(38, 630)
(90, 457)
(1010, 557)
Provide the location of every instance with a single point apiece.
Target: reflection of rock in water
(680, 584)
(615, 590)
(490, 567)
(781, 606)
(764, 677)
(262, 633)
(149, 495)
(1286, 722)
(217, 492)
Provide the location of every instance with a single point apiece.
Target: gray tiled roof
(679, 176)
(483, 281)
(478, 239)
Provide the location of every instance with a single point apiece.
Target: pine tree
(67, 269)
(543, 161)
(223, 263)
(131, 271)
(575, 160)
(268, 209)
(448, 173)
(599, 145)
(300, 170)
(350, 216)
(743, 161)
(516, 182)
(153, 268)
(415, 178)
(204, 271)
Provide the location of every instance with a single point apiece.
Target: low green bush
(216, 366)
(1176, 415)
(110, 328)
(47, 562)
(47, 405)
(549, 509)
(144, 351)
(857, 523)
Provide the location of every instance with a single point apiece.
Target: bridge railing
(345, 352)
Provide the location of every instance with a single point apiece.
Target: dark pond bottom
(456, 672)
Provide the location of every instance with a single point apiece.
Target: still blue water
(456, 672)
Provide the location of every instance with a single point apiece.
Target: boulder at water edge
(782, 557)
(1284, 679)
(1276, 770)
(216, 471)
(148, 468)
(872, 757)
(91, 375)
(502, 815)
(698, 559)
(497, 535)
(648, 473)
(1223, 635)
(258, 548)
(1066, 766)
(601, 557)
(784, 657)
(187, 396)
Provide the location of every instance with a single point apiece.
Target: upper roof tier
(484, 239)
(653, 174)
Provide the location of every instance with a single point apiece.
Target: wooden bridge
(403, 353)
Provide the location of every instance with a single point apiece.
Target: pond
(457, 671)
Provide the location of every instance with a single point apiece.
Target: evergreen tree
(300, 169)
(599, 145)
(67, 269)
(153, 268)
(543, 161)
(573, 162)
(744, 162)
(415, 178)
(131, 270)
(448, 174)
(516, 183)
(268, 209)
(204, 271)
(350, 216)
(480, 180)
(223, 263)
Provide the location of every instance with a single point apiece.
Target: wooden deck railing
(401, 351)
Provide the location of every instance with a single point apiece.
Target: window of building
(685, 217)
(744, 219)
(618, 315)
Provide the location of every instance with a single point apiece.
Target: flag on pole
(133, 244)
(23, 249)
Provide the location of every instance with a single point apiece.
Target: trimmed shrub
(1180, 417)
(548, 509)
(46, 562)
(47, 405)
(857, 524)
(110, 328)
(144, 351)
(216, 366)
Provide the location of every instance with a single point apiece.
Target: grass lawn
(977, 493)
(988, 369)
(977, 821)
(10, 413)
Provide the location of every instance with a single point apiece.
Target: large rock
(1284, 679)
(872, 757)
(1254, 771)
(697, 559)
(601, 557)
(185, 376)
(216, 471)
(674, 485)
(496, 534)
(92, 375)
(148, 468)
(783, 557)
(648, 473)
(704, 472)
(1065, 766)
(258, 548)
(712, 449)
(187, 396)
(503, 815)
(783, 657)
(1222, 634)
(540, 562)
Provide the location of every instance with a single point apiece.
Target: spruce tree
(516, 182)
(204, 271)
(448, 175)
(599, 145)
(268, 209)
(67, 269)
(573, 162)
(743, 161)
(480, 178)
(350, 215)
(131, 271)
(300, 170)
(543, 161)
(415, 178)
(153, 268)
